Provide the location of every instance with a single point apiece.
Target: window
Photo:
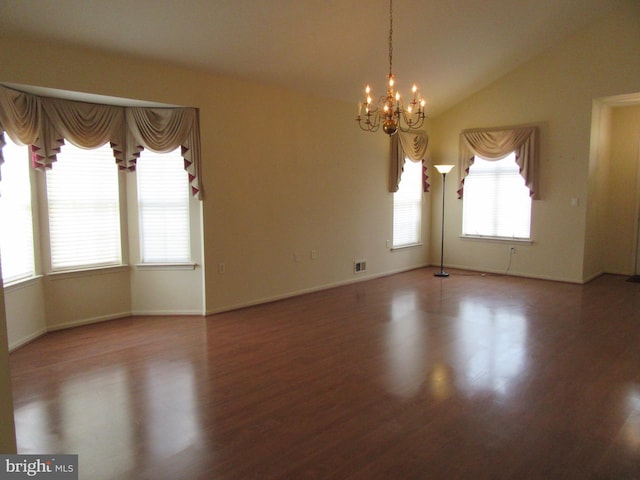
(84, 209)
(407, 206)
(163, 208)
(16, 223)
(496, 202)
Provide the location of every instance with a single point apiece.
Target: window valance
(45, 123)
(20, 115)
(412, 146)
(496, 143)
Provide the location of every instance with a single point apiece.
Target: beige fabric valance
(496, 143)
(86, 125)
(45, 123)
(20, 117)
(163, 130)
(412, 146)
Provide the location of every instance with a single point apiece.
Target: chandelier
(389, 111)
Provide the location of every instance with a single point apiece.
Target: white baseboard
(87, 321)
(177, 313)
(29, 338)
(593, 276)
(516, 274)
(326, 286)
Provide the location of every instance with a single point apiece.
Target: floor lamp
(443, 169)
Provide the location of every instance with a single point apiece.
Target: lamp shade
(444, 168)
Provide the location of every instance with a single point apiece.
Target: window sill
(22, 283)
(403, 247)
(166, 266)
(522, 241)
(86, 272)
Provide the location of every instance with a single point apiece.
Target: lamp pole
(443, 169)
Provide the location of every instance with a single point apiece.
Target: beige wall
(84, 297)
(283, 173)
(25, 309)
(598, 190)
(620, 217)
(298, 176)
(555, 90)
(7, 430)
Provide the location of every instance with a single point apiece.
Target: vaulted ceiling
(330, 48)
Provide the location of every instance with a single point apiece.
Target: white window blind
(496, 202)
(407, 206)
(16, 222)
(163, 208)
(84, 209)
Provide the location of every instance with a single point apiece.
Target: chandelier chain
(390, 37)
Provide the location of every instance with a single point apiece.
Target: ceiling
(330, 48)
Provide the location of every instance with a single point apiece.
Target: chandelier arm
(368, 127)
(410, 124)
(366, 122)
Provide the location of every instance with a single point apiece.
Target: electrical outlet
(222, 268)
(314, 254)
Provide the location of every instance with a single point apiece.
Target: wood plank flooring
(404, 377)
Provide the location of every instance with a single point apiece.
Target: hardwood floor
(408, 376)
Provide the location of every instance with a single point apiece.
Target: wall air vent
(359, 266)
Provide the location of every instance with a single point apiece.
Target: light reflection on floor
(102, 412)
(172, 408)
(494, 339)
(406, 345)
(488, 352)
(631, 429)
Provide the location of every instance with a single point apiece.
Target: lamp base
(441, 273)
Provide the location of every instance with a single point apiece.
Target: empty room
(279, 239)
